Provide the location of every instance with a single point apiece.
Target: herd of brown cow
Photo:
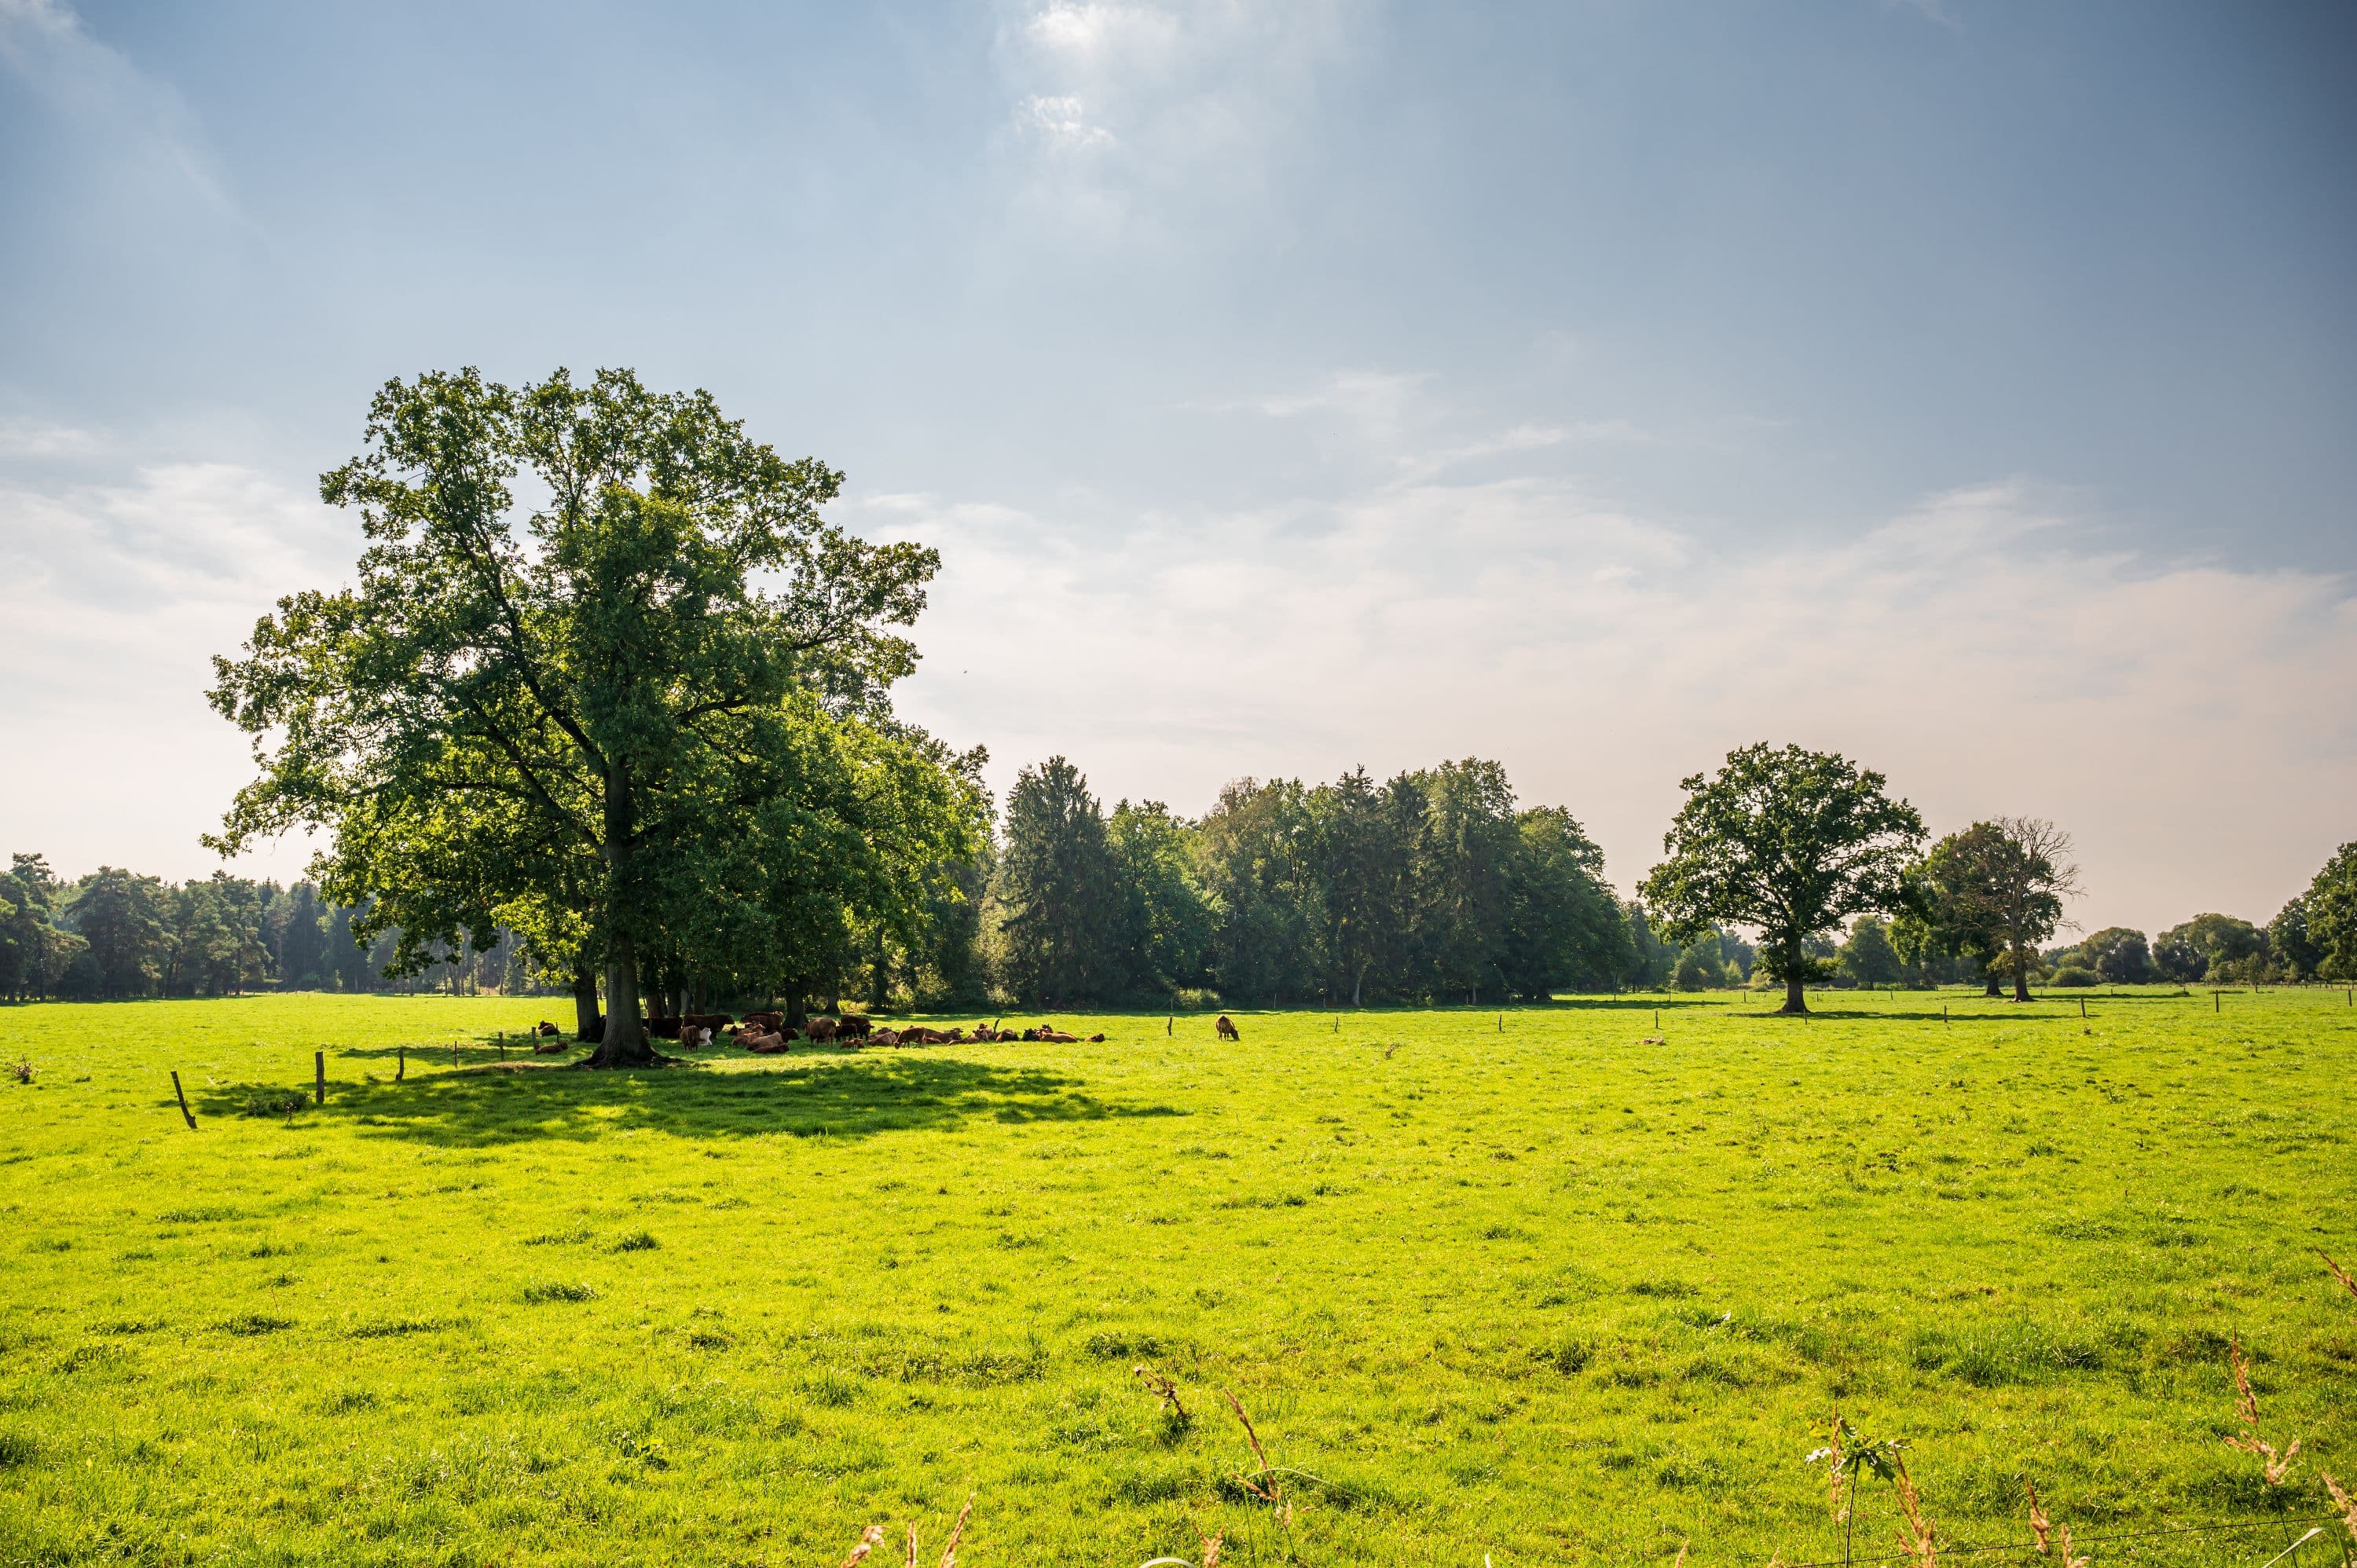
(768, 1034)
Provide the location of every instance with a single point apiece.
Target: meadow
(1568, 1283)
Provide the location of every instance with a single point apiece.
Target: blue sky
(1967, 387)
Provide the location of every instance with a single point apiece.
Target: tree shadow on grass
(1884, 1016)
(833, 1098)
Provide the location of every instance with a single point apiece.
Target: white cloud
(115, 596)
(1062, 120)
(33, 438)
(1183, 107)
(2179, 720)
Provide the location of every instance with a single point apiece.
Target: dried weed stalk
(1915, 1533)
(1159, 1385)
(873, 1537)
(2338, 1271)
(2051, 1535)
(2273, 1464)
(1263, 1483)
(2343, 1501)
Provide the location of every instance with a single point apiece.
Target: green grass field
(1545, 1292)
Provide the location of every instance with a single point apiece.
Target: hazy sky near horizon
(1967, 387)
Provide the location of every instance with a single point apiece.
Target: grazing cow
(820, 1029)
(548, 1030)
(1226, 1029)
(854, 1026)
(771, 1021)
(552, 1047)
(716, 1022)
(663, 1028)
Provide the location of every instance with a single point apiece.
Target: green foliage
(1167, 921)
(2118, 955)
(2209, 947)
(1867, 958)
(607, 678)
(1064, 914)
(1790, 842)
(35, 955)
(1992, 893)
(407, 1328)
(2329, 916)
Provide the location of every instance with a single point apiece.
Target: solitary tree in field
(2029, 876)
(599, 637)
(1790, 842)
(1996, 891)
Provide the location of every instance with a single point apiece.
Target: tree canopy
(607, 674)
(1788, 842)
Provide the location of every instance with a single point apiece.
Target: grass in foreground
(1540, 1292)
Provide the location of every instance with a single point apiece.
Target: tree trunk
(1988, 979)
(1357, 982)
(585, 1022)
(2021, 974)
(625, 1044)
(1796, 999)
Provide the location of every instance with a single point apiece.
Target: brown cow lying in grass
(547, 1030)
(552, 1047)
(762, 1042)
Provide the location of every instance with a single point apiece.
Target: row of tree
(608, 682)
(114, 933)
(1433, 884)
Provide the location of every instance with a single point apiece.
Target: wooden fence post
(181, 1095)
(400, 1063)
(319, 1077)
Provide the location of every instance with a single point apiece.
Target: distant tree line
(606, 683)
(1434, 885)
(2312, 939)
(116, 934)
(1431, 886)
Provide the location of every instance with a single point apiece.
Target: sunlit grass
(1539, 1290)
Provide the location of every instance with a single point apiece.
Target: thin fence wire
(2077, 1541)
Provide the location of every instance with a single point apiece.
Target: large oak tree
(1790, 842)
(605, 664)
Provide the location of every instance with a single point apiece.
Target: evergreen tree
(1058, 885)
